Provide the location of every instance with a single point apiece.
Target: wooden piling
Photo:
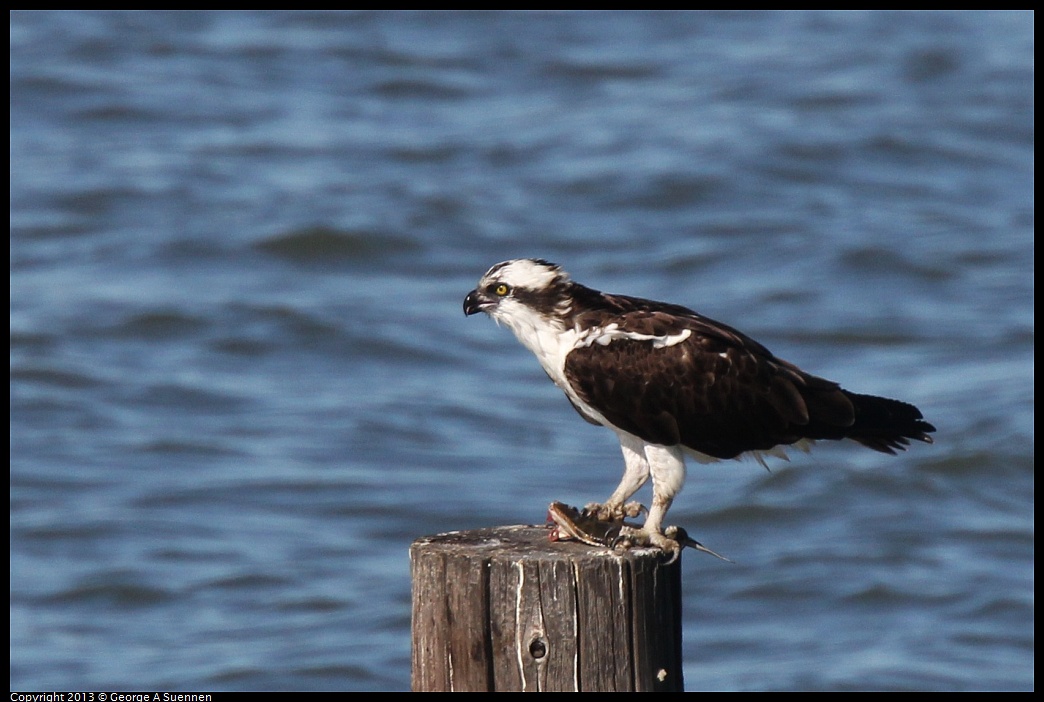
(505, 609)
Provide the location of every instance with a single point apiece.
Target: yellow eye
(502, 289)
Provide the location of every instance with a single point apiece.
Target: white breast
(550, 342)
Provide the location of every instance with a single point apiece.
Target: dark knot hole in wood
(538, 648)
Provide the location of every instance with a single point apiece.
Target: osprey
(671, 382)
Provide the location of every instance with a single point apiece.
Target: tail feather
(886, 425)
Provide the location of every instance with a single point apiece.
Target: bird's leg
(667, 467)
(636, 472)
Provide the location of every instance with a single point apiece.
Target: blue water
(242, 384)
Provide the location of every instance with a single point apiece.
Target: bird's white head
(528, 295)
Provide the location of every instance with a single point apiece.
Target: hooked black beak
(476, 302)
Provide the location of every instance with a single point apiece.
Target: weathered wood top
(528, 541)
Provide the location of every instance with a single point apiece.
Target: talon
(633, 509)
(666, 544)
(674, 553)
(629, 537)
(671, 541)
(613, 535)
(600, 512)
(622, 539)
(682, 537)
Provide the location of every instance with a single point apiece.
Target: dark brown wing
(721, 393)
